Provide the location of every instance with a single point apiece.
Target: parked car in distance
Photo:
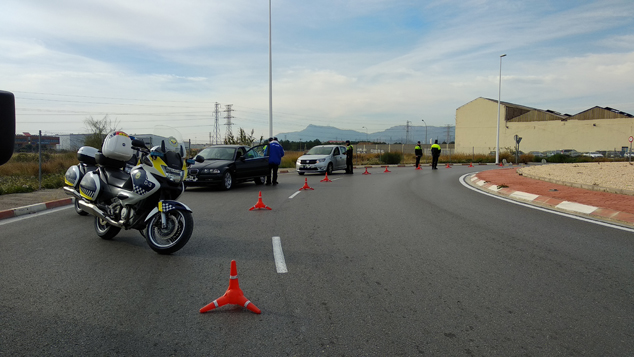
(593, 154)
(322, 158)
(570, 152)
(536, 153)
(226, 165)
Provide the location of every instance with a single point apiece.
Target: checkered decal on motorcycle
(139, 190)
(167, 207)
(140, 184)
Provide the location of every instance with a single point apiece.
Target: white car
(593, 154)
(322, 158)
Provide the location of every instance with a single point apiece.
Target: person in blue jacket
(275, 153)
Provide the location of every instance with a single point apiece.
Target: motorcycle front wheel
(172, 237)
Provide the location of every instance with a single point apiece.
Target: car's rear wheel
(227, 180)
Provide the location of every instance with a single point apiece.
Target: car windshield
(218, 153)
(319, 150)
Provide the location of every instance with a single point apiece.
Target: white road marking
(601, 223)
(33, 215)
(278, 254)
(295, 194)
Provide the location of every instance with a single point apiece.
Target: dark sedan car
(226, 165)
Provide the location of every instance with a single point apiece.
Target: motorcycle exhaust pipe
(71, 192)
(95, 211)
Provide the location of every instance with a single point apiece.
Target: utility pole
(407, 132)
(216, 136)
(228, 117)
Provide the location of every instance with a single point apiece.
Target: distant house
(28, 142)
(595, 129)
(71, 142)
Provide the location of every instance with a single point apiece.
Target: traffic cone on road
(366, 172)
(326, 178)
(471, 164)
(418, 167)
(447, 167)
(306, 187)
(386, 170)
(501, 164)
(233, 295)
(260, 204)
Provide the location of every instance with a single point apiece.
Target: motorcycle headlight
(173, 175)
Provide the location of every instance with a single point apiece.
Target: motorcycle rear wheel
(178, 230)
(105, 230)
(79, 211)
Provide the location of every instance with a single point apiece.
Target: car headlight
(299, 161)
(210, 171)
(321, 160)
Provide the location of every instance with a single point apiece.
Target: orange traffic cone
(501, 164)
(325, 179)
(447, 167)
(234, 294)
(386, 170)
(306, 187)
(418, 167)
(471, 164)
(260, 204)
(366, 172)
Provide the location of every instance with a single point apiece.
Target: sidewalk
(604, 206)
(611, 207)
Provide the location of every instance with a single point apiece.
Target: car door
(242, 168)
(255, 162)
(336, 153)
(342, 157)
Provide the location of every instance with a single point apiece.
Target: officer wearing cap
(349, 153)
(418, 151)
(275, 153)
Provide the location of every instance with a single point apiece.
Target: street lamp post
(497, 140)
(270, 78)
(423, 120)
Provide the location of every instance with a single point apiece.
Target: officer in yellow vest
(349, 153)
(418, 151)
(435, 153)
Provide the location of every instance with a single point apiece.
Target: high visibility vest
(417, 147)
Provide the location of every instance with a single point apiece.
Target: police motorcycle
(143, 199)
(74, 174)
(87, 163)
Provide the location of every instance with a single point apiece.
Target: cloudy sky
(345, 63)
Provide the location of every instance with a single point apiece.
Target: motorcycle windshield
(170, 138)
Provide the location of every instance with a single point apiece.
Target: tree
(242, 139)
(98, 129)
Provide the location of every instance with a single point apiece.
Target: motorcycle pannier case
(86, 155)
(117, 146)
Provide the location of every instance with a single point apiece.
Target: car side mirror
(199, 159)
(242, 158)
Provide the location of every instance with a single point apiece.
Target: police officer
(435, 153)
(418, 152)
(275, 153)
(349, 153)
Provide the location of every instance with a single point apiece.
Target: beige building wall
(476, 131)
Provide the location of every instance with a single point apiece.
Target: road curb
(38, 207)
(599, 213)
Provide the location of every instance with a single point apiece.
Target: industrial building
(595, 129)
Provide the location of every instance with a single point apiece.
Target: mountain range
(395, 134)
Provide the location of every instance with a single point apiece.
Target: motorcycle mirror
(138, 143)
(7, 124)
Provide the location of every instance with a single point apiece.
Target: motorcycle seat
(116, 177)
(104, 161)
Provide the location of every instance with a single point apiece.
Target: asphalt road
(401, 263)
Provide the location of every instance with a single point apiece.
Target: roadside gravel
(615, 177)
